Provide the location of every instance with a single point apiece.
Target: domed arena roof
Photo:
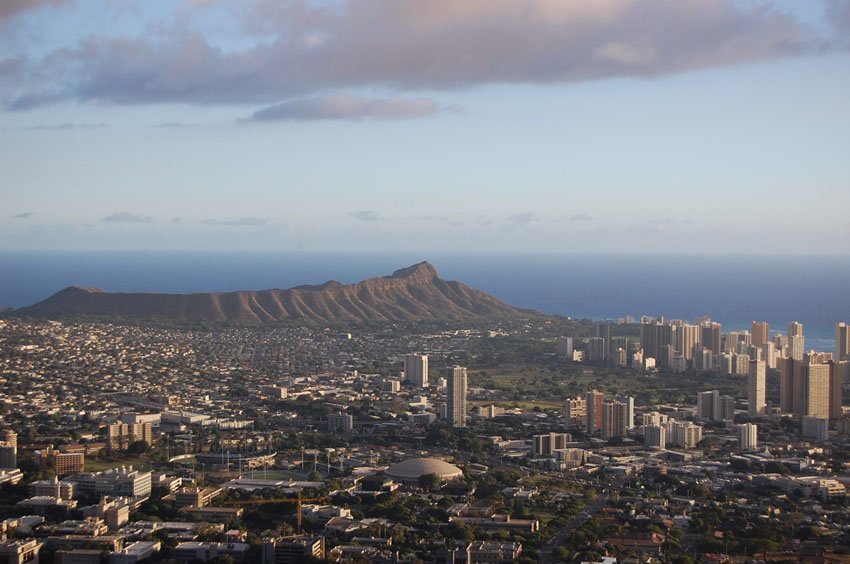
(411, 469)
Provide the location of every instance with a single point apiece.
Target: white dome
(411, 469)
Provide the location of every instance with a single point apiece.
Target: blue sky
(706, 126)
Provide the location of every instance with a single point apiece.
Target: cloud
(241, 222)
(23, 215)
(68, 126)
(301, 49)
(346, 107)
(581, 216)
(838, 12)
(365, 215)
(527, 218)
(11, 8)
(127, 217)
(173, 125)
(177, 220)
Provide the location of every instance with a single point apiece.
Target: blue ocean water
(731, 289)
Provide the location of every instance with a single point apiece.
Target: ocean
(733, 290)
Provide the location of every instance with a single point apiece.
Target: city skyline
(260, 125)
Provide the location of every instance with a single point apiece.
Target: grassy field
(531, 386)
(97, 465)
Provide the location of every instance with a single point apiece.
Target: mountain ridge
(412, 293)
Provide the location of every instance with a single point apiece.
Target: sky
(654, 126)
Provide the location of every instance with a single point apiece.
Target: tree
(429, 482)
(138, 447)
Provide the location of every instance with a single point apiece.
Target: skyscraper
(836, 388)
(795, 328)
(630, 409)
(654, 436)
(688, 336)
(708, 404)
(796, 341)
(416, 370)
(842, 342)
(786, 385)
(594, 411)
(748, 436)
(711, 340)
(575, 413)
(614, 415)
(760, 331)
(603, 331)
(456, 384)
(816, 390)
(756, 388)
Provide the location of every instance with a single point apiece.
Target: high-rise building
(619, 343)
(416, 370)
(727, 409)
(575, 413)
(756, 388)
(456, 388)
(786, 384)
(10, 437)
(836, 388)
(619, 357)
(703, 360)
(545, 444)
(654, 436)
(711, 333)
(842, 342)
(340, 422)
(741, 363)
(594, 411)
(768, 354)
(714, 407)
(688, 336)
(838, 377)
(603, 331)
(122, 435)
(565, 348)
(8, 456)
(614, 414)
(655, 336)
(795, 328)
(816, 428)
(653, 418)
(683, 434)
(708, 404)
(806, 387)
(595, 349)
(66, 463)
(796, 347)
(748, 436)
(630, 409)
(816, 390)
(760, 333)
(796, 341)
(737, 342)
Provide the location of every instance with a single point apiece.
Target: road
(562, 535)
(583, 516)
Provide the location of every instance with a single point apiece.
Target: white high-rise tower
(456, 408)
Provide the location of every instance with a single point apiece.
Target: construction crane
(260, 501)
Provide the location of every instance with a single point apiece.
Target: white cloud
(241, 222)
(366, 215)
(127, 217)
(301, 50)
(346, 107)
